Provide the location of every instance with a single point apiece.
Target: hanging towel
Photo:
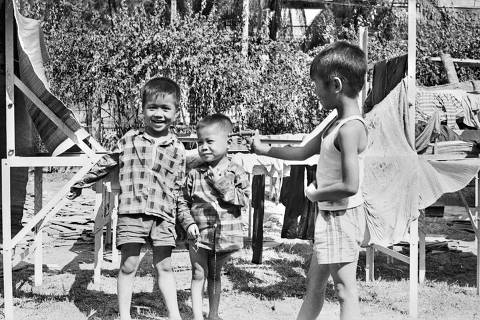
(391, 170)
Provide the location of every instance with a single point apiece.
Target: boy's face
(213, 143)
(158, 113)
(326, 93)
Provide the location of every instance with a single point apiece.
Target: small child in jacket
(152, 172)
(215, 192)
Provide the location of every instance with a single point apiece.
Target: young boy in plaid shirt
(152, 171)
(338, 72)
(215, 192)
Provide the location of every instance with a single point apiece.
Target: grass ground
(271, 290)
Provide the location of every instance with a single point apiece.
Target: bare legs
(344, 277)
(166, 281)
(206, 266)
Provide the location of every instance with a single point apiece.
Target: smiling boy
(152, 171)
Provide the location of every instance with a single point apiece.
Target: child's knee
(198, 273)
(345, 293)
(129, 265)
(164, 266)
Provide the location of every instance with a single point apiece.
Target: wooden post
(173, 11)
(363, 43)
(477, 233)
(38, 187)
(245, 18)
(258, 198)
(98, 231)
(7, 246)
(421, 272)
(449, 67)
(411, 93)
(370, 264)
(9, 78)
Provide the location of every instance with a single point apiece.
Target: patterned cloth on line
(216, 209)
(339, 234)
(146, 187)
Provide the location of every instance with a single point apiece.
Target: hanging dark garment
(292, 196)
(386, 75)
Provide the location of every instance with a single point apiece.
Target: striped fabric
(448, 102)
(217, 209)
(338, 235)
(31, 56)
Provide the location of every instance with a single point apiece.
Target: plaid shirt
(146, 187)
(217, 208)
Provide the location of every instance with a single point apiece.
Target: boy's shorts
(339, 235)
(138, 228)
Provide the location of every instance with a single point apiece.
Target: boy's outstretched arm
(287, 152)
(102, 168)
(347, 141)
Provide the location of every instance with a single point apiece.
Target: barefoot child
(152, 171)
(216, 192)
(338, 72)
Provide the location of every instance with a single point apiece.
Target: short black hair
(160, 85)
(344, 60)
(219, 119)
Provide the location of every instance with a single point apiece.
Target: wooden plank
(7, 245)
(304, 4)
(392, 253)
(450, 68)
(370, 264)
(459, 4)
(422, 269)
(38, 194)
(474, 62)
(413, 261)
(52, 206)
(245, 20)
(98, 231)
(258, 199)
(53, 117)
(411, 94)
(79, 161)
(10, 78)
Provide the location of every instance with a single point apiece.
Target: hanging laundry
(452, 104)
(391, 169)
(387, 74)
(300, 213)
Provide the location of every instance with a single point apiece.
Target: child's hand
(193, 231)
(310, 191)
(74, 193)
(218, 179)
(256, 145)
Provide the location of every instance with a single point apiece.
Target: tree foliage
(100, 58)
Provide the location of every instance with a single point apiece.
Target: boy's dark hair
(219, 119)
(343, 60)
(160, 85)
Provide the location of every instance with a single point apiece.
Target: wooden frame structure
(416, 258)
(43, 212)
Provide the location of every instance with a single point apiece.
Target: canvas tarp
(31, 56)
(397, 182)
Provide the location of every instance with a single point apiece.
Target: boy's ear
(229, 142)
(337, 84)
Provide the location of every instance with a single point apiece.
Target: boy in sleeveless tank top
(338, 73)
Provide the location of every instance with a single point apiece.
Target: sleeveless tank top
(329, 169)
